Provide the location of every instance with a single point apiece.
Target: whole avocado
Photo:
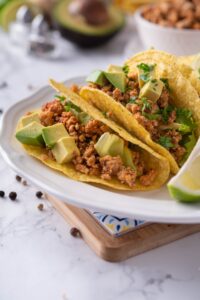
(77, 25)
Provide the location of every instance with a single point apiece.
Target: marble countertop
(39, 259)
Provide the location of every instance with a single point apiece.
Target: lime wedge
(185, 186)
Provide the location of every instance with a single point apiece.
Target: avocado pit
(93, 11)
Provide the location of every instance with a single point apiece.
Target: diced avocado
(31, 134)
(114, 69)
(109, 144)
(97, 77)
(34, 117)
(128, 158)
(118, 79)
(145, 73)
(65, 149)
(84, 118)
(52, 134)
(152, 90)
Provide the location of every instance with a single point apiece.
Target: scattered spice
(24, 182)
(39, 194)
(75, 232)
(18, 178)
(13, 196)
(1, 111)
(2, 194)
(41, 207)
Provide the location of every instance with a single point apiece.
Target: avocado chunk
(128, 158)
(34, 117)
(52, 134)
(152, 90)
(31, 134)
(97, 77)
(117, 79)
(84, 118)
(145, 73)
(65, 149)
(109, 144)
(114, 69)
(79, 31)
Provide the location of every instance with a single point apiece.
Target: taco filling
(150, 101)
(69, 135)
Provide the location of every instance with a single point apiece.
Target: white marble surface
(38, 257)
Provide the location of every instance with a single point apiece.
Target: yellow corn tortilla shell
(181, 64)
(151, 158)
(185, 66)
(183, 93)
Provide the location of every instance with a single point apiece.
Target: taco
(151, 100)
(70, 136)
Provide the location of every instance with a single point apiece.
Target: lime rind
(183, 196)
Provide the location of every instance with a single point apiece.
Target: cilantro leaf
(133, 99)
(125, 69)
(166, 83)
(72, 107)
(166, 142)
(184, 116)
(166, 113)
(61, 98)
(145, 104)
(146, 68)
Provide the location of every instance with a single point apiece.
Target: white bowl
(175, 41)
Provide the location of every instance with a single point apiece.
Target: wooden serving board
(114, 249)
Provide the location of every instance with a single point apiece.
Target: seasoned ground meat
(86, 135)
(128, 176)
(148, 178)
(51, 111)
(110, 166)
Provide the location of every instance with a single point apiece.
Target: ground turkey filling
(89, 162)
(150, 114)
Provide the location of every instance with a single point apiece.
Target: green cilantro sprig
(61, 98)
(166, 142)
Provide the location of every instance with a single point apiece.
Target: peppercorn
(75, 232)
(2, 194)
(39, 194)
(18, 178)
(24, 182)
(13, 196)
(41, 207)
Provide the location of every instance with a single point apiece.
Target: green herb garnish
(166, 113)
(145, 104)
(166, 83)
(61, 98)
(184, 116)
(166, 142)
(146, 68)
(69, 106)
(125, 69)
(151, 116)
(133, 99)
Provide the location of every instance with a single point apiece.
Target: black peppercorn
(18, 178)
(41, 207)
(13, 196)
(2, 194)
(75, 232)
(39, 194)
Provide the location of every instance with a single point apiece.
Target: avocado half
(9, 10)
(83, 34)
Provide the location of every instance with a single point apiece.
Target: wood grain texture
(109, 248)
